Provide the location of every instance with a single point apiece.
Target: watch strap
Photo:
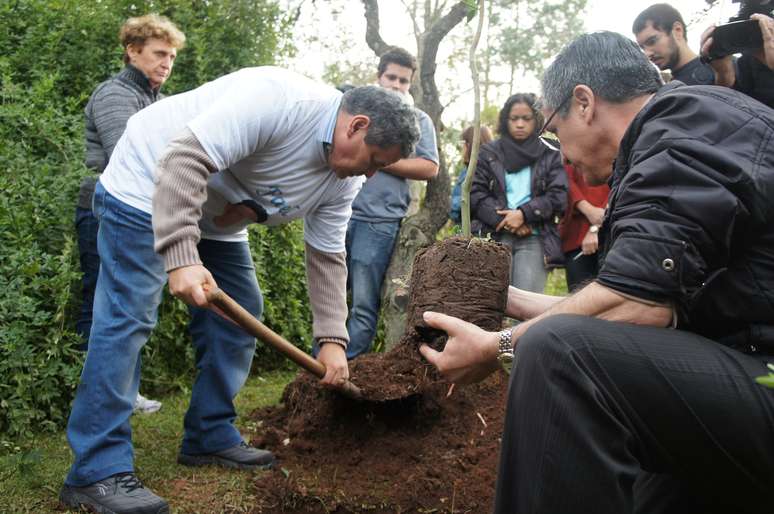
(505, 341)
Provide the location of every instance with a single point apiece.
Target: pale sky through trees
(349, 25)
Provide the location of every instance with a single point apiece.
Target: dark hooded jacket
(543, 211)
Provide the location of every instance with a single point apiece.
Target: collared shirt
(264, 129)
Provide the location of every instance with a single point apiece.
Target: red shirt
(574, 224)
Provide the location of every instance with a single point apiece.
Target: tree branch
(431, 40)
(373, 38)
(411, 10)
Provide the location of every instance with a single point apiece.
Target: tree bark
(420, 229)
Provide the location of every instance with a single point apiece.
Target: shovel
(254, 327)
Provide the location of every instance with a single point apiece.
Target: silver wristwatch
(505, 350)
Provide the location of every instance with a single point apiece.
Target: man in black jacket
(638, 393)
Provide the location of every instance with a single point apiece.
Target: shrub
(54, 54)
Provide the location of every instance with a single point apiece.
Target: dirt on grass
(422, 446)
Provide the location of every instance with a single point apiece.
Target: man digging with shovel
(185, 179)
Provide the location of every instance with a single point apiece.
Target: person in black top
(753, 72)
(660, 31)
(637, 394)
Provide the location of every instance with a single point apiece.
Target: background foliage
(54, 53)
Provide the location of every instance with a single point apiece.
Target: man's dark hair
(662, 16)
(399, 56)
(612, 66)
(530, 100)
(393, 121)
(345, 87)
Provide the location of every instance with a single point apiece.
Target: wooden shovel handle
(253, 326)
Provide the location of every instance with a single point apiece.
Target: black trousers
(614, 418)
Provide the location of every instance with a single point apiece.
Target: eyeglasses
(652, 40)
(552, 144)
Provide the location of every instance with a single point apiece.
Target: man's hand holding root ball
(470, 354)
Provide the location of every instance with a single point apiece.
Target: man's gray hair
(393, 121)
(612, 66)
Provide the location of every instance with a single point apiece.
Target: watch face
(505, 357)
(506, 361)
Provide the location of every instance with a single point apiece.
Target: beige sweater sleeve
(326, 276)
(181, 189)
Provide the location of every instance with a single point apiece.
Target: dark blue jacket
(544, 211)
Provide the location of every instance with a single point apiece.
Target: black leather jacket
(691, 213)
(544, 211)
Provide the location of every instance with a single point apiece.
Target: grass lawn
(556, 285)
(32, 471)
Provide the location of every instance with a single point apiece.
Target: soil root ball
(410, 447)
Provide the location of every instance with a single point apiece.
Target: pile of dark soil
(419, 449)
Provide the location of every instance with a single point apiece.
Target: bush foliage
(55, 53)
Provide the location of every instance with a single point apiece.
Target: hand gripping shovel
(252, 326)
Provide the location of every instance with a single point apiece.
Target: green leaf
(472, 8)
(767, 381)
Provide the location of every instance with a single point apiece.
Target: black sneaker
(241, 456)
(122, 493)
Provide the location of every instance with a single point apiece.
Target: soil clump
(420, 449)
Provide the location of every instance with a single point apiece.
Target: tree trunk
(420, 229)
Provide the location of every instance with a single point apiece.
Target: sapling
(465, 194)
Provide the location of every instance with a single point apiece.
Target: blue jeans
(224, 352)
(86, 226)
(369, 249)
(129, 287)
(528, 270)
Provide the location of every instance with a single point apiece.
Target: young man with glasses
(661, 33)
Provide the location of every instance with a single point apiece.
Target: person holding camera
(753, 73)
(660, 31)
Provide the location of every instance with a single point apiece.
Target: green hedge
(54, 54)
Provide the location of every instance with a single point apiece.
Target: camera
(741, 34)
